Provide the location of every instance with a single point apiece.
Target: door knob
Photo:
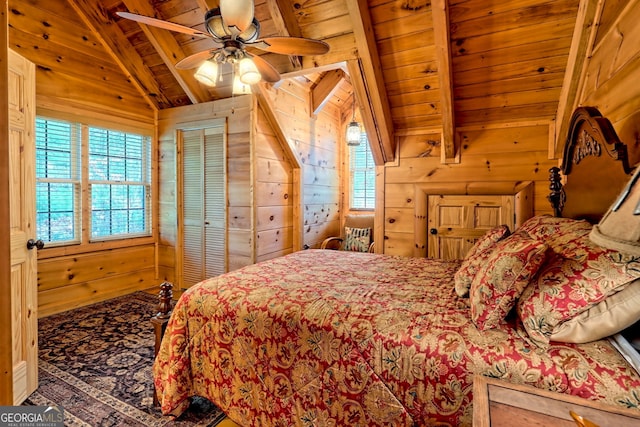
(433, 231)
(35, 244)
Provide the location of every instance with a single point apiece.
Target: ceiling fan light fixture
(240, 88)
(215, 25)
(207, 73)
(248, 71)
(251, 33)
(237, 13)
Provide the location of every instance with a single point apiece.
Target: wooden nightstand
(498, 403)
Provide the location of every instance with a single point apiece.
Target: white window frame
(144, 182)
(83, 204)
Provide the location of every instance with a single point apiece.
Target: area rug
(96, 362)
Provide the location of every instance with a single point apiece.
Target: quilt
(331, 338)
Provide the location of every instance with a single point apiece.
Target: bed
(328, 338)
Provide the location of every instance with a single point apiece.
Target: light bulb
(240, 88)
(207, 73)
(248, 72)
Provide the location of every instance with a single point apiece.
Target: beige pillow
(610, 316)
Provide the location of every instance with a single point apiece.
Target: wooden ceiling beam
(584, 33)
(205, 5)
(367, 78)
(323, 89)
(170, 52)
(450, 152)
(116, 44)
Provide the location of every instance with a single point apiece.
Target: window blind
(363, 175)
(57, 181)
(120, 183)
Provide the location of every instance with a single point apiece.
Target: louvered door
(204, 204)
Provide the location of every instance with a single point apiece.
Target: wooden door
(22, 206)
(456, 222)
(204, 204)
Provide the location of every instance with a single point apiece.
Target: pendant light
(353, 130)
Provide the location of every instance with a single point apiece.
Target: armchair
(357, 235)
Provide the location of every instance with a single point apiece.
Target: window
(57, 181)
(363, 175)
(117, 182)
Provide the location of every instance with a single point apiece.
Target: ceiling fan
(232, 27)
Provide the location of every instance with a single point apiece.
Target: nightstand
(498, 403)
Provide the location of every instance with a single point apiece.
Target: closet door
(204, 204)
(456, 222)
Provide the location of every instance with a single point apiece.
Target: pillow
(578, 275)
(504, 274)
(554, 231)
(608, 317)
(472, 261)
(357, 239)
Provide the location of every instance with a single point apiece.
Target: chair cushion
(359, 220)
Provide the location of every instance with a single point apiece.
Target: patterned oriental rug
(95, 362)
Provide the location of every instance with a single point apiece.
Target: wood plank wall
(504, 154)
(316, 139)
(612, 73)
(273, 193)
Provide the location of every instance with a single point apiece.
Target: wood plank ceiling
(415, 66)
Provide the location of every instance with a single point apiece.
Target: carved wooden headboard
(595, 168)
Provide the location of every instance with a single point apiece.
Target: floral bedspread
(329, 338)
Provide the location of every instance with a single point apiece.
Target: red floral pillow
(579, 275)
(554, 231)
(473, 260)
(504, 274)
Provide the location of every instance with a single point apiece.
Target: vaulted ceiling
(415, 66)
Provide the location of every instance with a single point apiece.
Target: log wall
(502, 156)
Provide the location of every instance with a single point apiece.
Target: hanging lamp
(353, 130)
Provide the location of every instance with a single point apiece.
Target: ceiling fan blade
(163, 24)
(192, 61)
(267, 71)
(237, 13)
(292, 46)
